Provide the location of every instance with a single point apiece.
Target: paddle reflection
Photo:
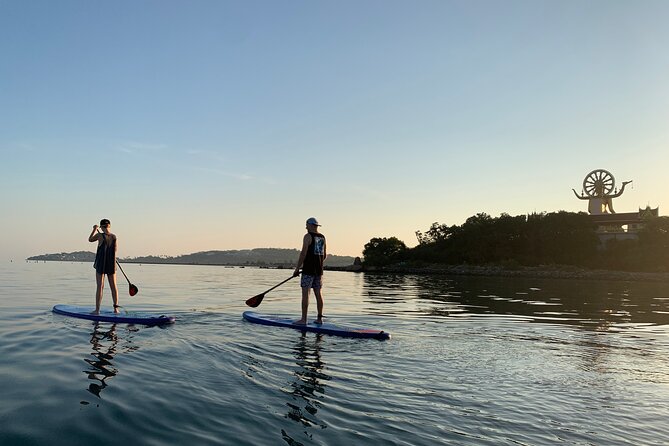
(308, 386)
(104, 340)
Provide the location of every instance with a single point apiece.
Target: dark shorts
(315, 282)
(105, 268)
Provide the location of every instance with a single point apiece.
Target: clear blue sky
(198, 125)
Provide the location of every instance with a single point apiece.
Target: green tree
(473, 240)
(654, 245)
(568, 238)
(384, 251)
(436, 233)
(507, 238)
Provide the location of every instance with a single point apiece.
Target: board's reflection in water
(308, 384)
(104, 340)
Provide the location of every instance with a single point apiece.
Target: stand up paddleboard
(107, 315)
(325, 327)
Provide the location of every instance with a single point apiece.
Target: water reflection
(308, 384)
(595, 304)
(104, 340)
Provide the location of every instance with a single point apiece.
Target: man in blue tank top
(311, 261)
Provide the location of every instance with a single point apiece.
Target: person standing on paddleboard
(105, 262)
(311, 261)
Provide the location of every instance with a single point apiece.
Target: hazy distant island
(261, 257)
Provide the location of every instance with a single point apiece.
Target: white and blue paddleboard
(325, 327)
(108, 315)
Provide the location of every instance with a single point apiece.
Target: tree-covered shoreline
(552, 241)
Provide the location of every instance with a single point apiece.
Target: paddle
(255, 300)
(132, 290)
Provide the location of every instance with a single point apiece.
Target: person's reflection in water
(104, 344)
(308, 385)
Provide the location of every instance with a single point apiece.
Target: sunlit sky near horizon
(215, 125)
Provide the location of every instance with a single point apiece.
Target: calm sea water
(479, 361)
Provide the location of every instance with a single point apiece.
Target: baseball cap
(313, 221)
(104, 222)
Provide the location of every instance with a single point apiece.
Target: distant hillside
(274, 257)
(78, 256)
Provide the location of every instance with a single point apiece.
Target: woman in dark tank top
(105, 262)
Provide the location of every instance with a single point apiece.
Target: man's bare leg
(305, 305)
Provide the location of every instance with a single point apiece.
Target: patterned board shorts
(315, 282)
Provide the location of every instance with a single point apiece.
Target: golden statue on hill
(599, 188)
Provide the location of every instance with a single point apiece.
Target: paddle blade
(133, 290)
(255, 300)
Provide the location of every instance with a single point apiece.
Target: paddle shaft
(255, 300)
(278, 285)
(126, 277)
